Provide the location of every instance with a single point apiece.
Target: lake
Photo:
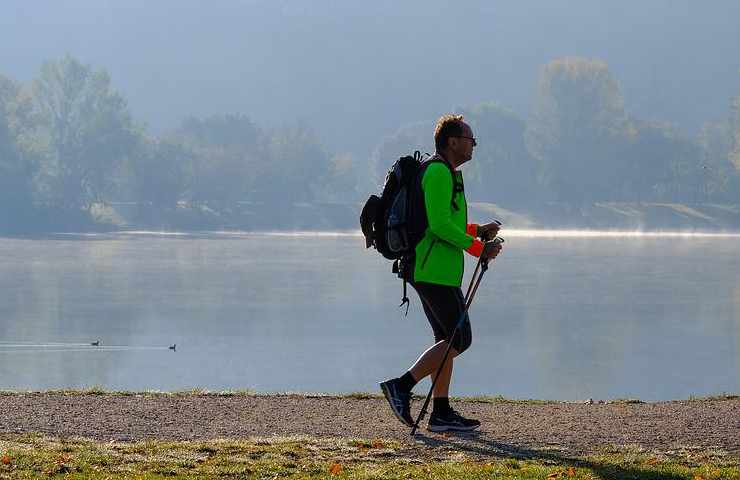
(559, 315)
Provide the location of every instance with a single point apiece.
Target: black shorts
(444, 306)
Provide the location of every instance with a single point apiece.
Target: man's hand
(491, 250)
(489, 230)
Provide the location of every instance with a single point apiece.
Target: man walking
(437, 274)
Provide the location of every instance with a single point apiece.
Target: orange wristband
(475, 248)
(472, 229)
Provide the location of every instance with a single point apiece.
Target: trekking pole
(482, 265)
(470, 287)
(486, 238)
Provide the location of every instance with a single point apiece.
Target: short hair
(449, 125)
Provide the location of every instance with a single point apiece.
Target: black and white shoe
(451, 421)
(399, 400)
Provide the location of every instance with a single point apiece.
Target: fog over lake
(565, 316)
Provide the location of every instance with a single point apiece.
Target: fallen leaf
(652, 461)
(698, 477)
(377, 444)
(5, 460)
(571, 472)
(335, 469)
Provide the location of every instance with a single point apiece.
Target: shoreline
(243, 434)
(332, 216)
(100, 391)
(574, 428)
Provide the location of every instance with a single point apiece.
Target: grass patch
(722, 396)
(36, 456)
(502, 399)
(626, 401)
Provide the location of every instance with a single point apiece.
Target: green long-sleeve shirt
(439, 254)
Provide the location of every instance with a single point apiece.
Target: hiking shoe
(399, 400)
(451, 420)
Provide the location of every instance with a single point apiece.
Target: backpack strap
(400, 267)
(405, 299)
(457, 187)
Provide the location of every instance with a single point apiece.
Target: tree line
(69, 146)
(579, 145)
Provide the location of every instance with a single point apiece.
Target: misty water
(563, 316)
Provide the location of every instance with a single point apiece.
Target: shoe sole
(388, 398)
(444, 428)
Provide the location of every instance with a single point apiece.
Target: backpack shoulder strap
(456, 186)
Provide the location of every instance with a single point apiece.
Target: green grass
(723, 396)
(36, 456)
(502, 399)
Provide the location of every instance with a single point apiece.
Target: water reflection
(559, 315)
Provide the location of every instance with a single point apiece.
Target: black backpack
(392, 222)
(395, 222)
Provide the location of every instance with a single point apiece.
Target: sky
(356, 71)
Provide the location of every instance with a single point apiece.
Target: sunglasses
(469, 138)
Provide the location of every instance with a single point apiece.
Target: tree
(406, 140)
(225, 157)
(162, 172)
(579, 130)
(18, 161)
(662, 165)
(294, 169)
(89, 130)
(340, 183)
(716, 144)
(503, 170)
(735, 133)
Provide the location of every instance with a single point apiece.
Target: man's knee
(462, 341)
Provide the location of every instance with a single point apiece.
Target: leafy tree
(662, 165)
(406, 140)
(340, 184)
(579, 130)
(89, 130)
(225, 149)
(234, 131)
(735, 133)
(295, 168)
(233, 160)
(18, 160)
(503, 171)
(162, 172)
(716, 144)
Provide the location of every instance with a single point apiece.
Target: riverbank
(359, 433)
(253, 216)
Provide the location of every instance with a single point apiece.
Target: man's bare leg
(428, 363)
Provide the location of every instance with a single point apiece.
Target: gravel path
(510, 429)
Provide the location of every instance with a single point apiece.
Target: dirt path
(509, 429)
